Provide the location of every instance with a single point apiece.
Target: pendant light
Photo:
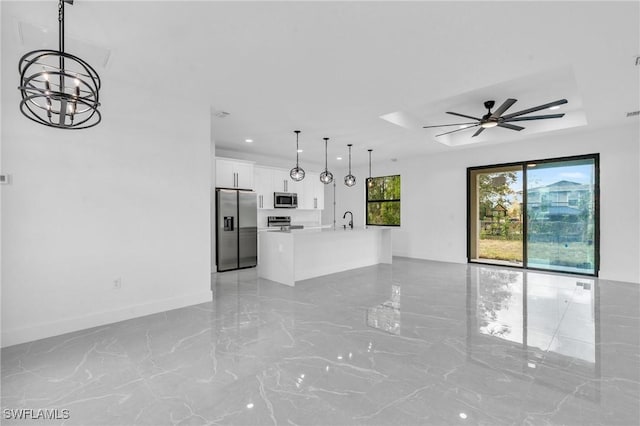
(369, 180)
(297, 174)
(350, 179)
(59, 89)
(326, 177)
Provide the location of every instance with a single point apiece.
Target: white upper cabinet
(267, 180)
(281, 180)
(264, 186)
(313, 192)
(234, 174)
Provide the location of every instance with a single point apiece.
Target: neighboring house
(560, 199)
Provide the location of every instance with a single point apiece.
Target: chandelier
(59, 89)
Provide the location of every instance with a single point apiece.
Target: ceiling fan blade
(457, 130)
(478, 132)
(533, 117)
(443, 125)
(505, 106)
(534, 109)
(510, 126)
(462, 115)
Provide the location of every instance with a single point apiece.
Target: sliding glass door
(537, 214)
(497, 215)
(561, 225)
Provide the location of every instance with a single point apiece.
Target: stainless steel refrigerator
(236, 229)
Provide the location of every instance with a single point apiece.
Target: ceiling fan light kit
(498, 119)
(59, 89)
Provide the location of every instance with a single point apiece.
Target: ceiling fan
(493, 119)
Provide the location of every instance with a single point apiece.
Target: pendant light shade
(369, 180)
(326, 177)
(350, 179)
(59, 89)
(297, 174)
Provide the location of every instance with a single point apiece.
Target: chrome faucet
(350, 221)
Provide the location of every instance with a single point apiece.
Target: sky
(542, 176)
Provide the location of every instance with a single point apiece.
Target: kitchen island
(299, 254)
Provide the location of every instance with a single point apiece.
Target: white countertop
(326, 229)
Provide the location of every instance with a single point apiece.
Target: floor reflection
(386, 316)
(538, 325)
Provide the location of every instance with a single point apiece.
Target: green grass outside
(556, 254)
(500, 250)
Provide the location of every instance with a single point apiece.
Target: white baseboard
(40, 331)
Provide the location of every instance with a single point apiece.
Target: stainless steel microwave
(285, 200)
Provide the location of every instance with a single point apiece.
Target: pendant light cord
(61, 42)
(326, 167)
(297, 148)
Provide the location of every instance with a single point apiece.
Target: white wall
(434, 195)
(128, 199)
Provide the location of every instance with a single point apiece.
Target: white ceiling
(333, 68)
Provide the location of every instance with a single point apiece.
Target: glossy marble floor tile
(413, 343)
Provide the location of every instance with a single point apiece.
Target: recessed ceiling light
(301, 150)
(555, 107)
(248, 140)
(338, 158)
(464, 126)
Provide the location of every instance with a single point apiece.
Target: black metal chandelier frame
(59, 89)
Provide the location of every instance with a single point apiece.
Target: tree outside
(500, 216)
(383, 200)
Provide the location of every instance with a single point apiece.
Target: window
(383, 200)
(536, 214)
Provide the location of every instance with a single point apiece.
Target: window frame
(394, 200)
(596, 205)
